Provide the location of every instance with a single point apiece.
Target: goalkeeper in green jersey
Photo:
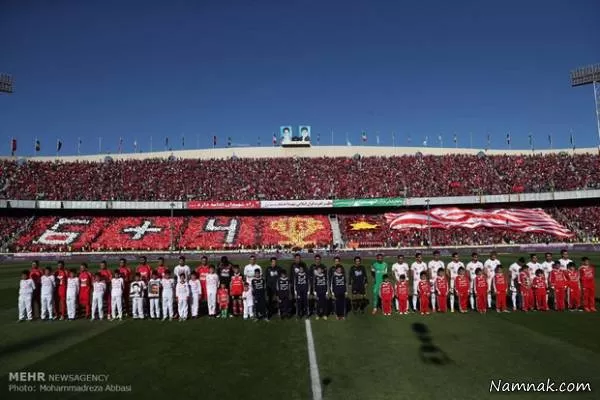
(378, 270)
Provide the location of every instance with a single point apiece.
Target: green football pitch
(453, 356)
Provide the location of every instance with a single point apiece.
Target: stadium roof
(313, 152)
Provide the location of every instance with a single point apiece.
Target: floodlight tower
(6, 83)
(589, 75)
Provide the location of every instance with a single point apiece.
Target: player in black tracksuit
(339, 289)
(311, 273)
(259, 293)
(301, 291)
(320, 290)
(272, 275)
(358, 285)
(336, 264)
(283, 295)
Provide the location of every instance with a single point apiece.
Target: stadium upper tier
(144, 233)
(297, 178)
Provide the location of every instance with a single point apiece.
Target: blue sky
(240, 69)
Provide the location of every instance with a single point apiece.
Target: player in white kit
(452, 271)
(490, 269)
(433, 267)
(416, 268)
(48, 284)
(136, 293)
(154, 295)
(564, 260)
(168, 287)
(533, 265)
(99, 288)
(182, 291)
(26, 288)
(196, 293)
(72, 294)
(181, 268)
(116, 295)
(248, 300)
(471, 268)
(212, 285)
(547, 266)
(399, 268)
(514, 270)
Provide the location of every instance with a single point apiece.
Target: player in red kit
(540, 289)
(441, 290)
(588, 284)
(35, 274)
(500, 286)
(386, 293)
(144, 269)
(61, 275)
(223, 300)
(462, 286)
(424, 290)
(85, 289)
(402, 293)
(574, 290)
(202, 270)
(481, 291)
(525, 288)
(125, 272)
(162, 268)
(106, 276)
(558, 284)
(236, 289)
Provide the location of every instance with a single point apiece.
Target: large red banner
(222, 205)
(521, 220)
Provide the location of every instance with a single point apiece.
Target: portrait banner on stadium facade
(286, 133)
(304, 131)
(378, 202)
(519, 220)
(296, 204)
(222, 205)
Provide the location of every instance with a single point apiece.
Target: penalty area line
(315, 380)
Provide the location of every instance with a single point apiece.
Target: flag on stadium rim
(508, 139)
(229, 141)
(521, 220)
(58, 145)
(13, 146)
(274, 139)
(38, 145)
(214, 140)
(364, 136)
(572, 140)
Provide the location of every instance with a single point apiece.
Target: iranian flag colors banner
(521, 220)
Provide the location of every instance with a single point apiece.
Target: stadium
(301, 268)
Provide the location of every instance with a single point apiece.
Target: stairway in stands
(335, 230)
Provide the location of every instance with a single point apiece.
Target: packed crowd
(228, 290)
(144, 233)
(305, 178)
(373, 231)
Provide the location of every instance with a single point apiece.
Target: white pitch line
(315, 379)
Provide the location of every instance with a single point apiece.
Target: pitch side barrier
(288, 255)
(295, 205)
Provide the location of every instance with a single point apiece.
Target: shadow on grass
(33, 342)
(429, 352)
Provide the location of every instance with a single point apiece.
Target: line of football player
(316, 290)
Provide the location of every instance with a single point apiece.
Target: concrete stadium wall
(312, 152)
